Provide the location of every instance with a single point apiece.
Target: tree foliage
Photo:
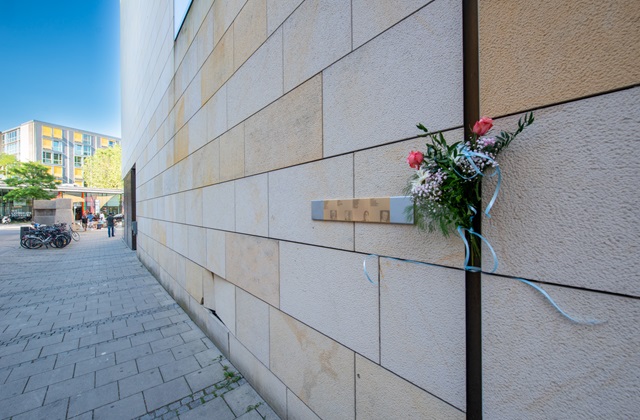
(32, 180)
(103, 170)
(6, 161)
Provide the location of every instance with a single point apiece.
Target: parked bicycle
(56, 236)
(68, 229)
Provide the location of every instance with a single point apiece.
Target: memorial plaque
(364, 210)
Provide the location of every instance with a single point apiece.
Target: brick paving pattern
(87, 332)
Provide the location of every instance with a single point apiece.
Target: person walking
(84, 221)
(111, 225)
(90, 219)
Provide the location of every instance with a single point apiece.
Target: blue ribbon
(468, 154)
(536, 287)
(472, 268)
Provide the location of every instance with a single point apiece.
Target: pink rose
(415, 159)
(482, 126)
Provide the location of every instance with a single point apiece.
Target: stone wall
(260, 106)
(49, 212)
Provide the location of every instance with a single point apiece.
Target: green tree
(32, 180)
(103, 170)
(6, 161)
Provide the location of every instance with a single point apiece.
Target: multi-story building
(62, 149)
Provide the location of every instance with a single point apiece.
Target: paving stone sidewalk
(87, 332)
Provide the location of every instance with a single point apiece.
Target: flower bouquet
(445, 187)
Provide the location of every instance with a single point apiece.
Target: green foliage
(32, 180)
(253, 407)
(6, 161)
(454, 171)
(103, 170)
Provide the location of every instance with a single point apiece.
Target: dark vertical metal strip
(473, 317)
(134, 186)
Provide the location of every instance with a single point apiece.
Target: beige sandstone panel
(204, 39)
(197, 244)
(183, 173)
(257, 83)
(278, 11)
(217, 68)
(296, 409)
(422, 327)
(315, 35)
(193, 199)
(327, 290)
(217, 206)
(216, 252)
(538, 364)
(316, 368)
(568, 205)
(193, 280)
(208, 292)
(252, 205)
(218, 332)
(544, 52)
(180, 206)
(250, 30)
(371, 17)
(232, 152)
(291, 191)
(224, 295)
(168, 155)
(383, 171)
(224, 12)
(182, 76)
(181, 144)
(259, 376)
(197, 130)
(179, 239)
(287, 132)
(216, 110)
(193, 101)
(252, 264)
(252, 324)
(400, 396)
(206, 170)
(411, 73)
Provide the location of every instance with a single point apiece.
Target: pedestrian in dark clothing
(111, 225)
(84, 221)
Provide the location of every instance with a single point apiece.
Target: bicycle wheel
(61, 241)
(31, 242)
(75, 235)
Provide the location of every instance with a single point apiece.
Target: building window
(10, 137)
(57, 146)
(77, 161)
(46, 157)
(11, 148)
(11, 141)
(87, 150)
(77, 149)
(57, 159)
(87, 139)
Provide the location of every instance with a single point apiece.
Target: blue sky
(60, 63)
